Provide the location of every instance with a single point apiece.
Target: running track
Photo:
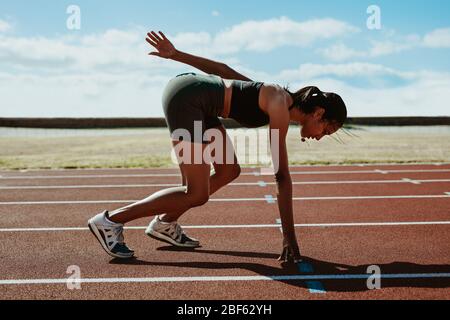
(349, 217)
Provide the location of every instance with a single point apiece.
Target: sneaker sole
(93, 228)
(159, 236)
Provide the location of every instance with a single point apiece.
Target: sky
(395, 63)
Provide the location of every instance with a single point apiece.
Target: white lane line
(372, 197)
(411, 181)
(267, 198)
(377, 164)
(371, 171)
(90, 176)
(91, 186)
(227, 278)
(255, 173)
(380, 164)
(248, 226)
(259, 183)
(278, 222)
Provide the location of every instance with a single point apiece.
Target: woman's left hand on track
(290, 253)
(165, 48)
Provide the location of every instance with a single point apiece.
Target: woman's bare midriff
(227, 98)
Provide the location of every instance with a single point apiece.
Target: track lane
(228, 253)
(396, 248)
(233, 191)
(257, 212)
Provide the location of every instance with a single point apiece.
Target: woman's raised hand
(162, 44)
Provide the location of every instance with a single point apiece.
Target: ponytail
(308, 98)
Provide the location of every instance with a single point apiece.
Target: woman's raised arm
(168, 51)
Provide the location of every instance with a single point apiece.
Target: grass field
(134, 148)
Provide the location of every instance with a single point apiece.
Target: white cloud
(357, 69)
(118, 50)
(99, 95)
(439, 38)
(340, 52)
(273, 33)
(215, 13)
(113, 51)
(110, 74)
(422, 96)
(113, 95)
(382, 48)
(4, 26)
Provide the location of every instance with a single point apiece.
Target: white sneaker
(171, 233)
(110, 235)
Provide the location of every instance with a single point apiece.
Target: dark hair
(308, 98)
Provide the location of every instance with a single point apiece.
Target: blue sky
(102, 69)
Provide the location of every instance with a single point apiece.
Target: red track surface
(33, 205)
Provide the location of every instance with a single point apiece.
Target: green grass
(144, 148)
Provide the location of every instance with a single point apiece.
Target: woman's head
(322, 113)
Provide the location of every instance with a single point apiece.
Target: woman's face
(314, 127)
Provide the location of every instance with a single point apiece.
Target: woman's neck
(296, 115)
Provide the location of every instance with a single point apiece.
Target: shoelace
(178, 231)
(175, 229)
(118, 232)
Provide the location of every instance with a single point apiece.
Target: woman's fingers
(283, 255)
(151, 42)
(163, 35)
(158, 38)
(151, 36)
(290, 254)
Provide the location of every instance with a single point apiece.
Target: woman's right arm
(167, 50)
(279, 125)
(209, 66)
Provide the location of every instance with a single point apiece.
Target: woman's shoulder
(273, 91)
(273, 94)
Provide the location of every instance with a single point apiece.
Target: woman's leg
(224, 173)
(173, 200)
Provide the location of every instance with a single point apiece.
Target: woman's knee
(236, 172)
(230, 174)
(198, 199)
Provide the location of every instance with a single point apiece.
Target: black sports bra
(244, 104)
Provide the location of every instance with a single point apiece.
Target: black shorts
(192, 103)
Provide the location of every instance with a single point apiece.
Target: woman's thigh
(222, 154)
(195, 168)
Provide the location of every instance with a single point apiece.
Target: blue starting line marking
(313, 286)
(269, 198)
(262, 184)
(305, 267)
